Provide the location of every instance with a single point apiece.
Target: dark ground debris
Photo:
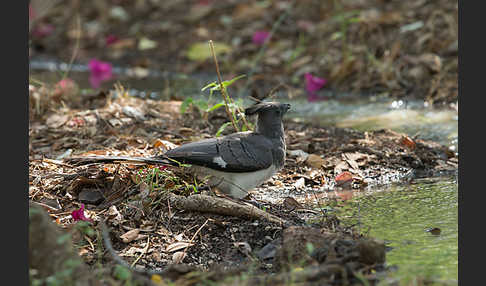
(131, 197)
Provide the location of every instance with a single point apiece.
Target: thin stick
(192, 239)
(223, 92)
(141, 254)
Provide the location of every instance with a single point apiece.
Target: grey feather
(239, 152)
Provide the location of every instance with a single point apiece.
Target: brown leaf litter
(152, 226)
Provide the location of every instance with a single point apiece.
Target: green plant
(206, 105)
(233, 109)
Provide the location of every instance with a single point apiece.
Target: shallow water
(401, 214)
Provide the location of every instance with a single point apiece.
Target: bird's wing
(239, 152)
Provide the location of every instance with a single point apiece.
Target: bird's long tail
(78, 161)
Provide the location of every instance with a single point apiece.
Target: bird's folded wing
(239, 152)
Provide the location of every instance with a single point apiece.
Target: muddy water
(398, 214)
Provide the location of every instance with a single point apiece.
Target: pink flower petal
(65, 86)
(313, 83)
(65, 83)
(79, 214)
(259, 37)
(100, 72)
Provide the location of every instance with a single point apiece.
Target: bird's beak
(285, 107)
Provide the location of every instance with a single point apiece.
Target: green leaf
(227, 83)
(215, 86)
(222, 127)
(185, 104)
(209, 85)
(216, 106)
(200, 51)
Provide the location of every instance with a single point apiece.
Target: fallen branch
(222, 206)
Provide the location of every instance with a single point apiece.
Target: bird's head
(269, 117)
(276, 109)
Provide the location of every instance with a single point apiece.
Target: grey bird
(233, 164)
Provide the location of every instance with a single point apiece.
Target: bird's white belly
(236, 185)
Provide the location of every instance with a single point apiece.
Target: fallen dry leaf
(340, 167)
(314, 161)
(178, 257)
(408, 142)
(291, 203)
(177, 246)
(352, 163)
(56, 120)
(344, 177)
(166, 145)
(300, 155)
(130, 235)
(114, 215)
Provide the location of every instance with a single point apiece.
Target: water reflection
(401, 216)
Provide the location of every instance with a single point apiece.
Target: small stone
(90, 197)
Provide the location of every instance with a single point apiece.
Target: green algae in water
(400, 216)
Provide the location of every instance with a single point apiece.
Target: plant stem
(223, 90)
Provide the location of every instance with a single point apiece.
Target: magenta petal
(259, 37)
(79, 214)
(100, 71)
(313, 83)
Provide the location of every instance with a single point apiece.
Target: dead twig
(192, 238)
(143, 252)
(216, 205)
